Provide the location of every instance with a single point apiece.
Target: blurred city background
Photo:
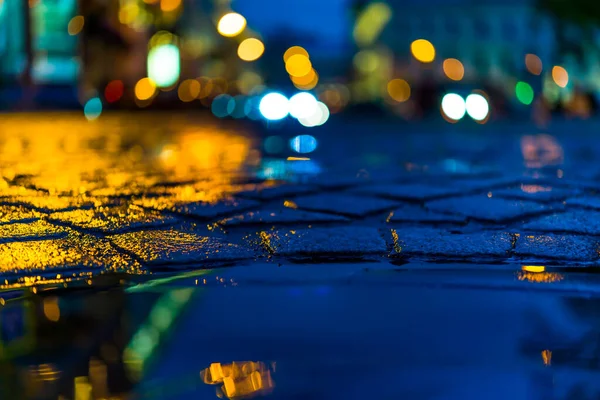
(408, 59)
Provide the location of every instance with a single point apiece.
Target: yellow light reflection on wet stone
(239, 379)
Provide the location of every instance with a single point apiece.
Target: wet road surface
(171, 257)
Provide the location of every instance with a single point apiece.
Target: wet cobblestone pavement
(159, 252)
(184, 195)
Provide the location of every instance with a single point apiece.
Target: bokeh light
(306, 79)
(189, 90)
(423, 50)
(222, 106)
(250, 49)
(453, 69)
(294, 50)
(274, 106)
(366, 61)
(76, 25)
(298, 65)
(453, 106)
(533, 64)
(371, 22)
(303, 105)
(92, 109)
(560, 76)
(319, 117)
(164, 65)
(399, 90)
(169, 5)
(114, 91)
(302, 83)
(144, 89)
(231, 24)
(524, 93)
(303, 144)
(477, 107)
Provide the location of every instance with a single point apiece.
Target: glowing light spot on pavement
(303, 144)
(533, 268)
(303, 105)
(453, 106)
(93, 109)
(231, 24)
(477, 107)
(274, 106)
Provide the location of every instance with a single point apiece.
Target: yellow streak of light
(533, 268)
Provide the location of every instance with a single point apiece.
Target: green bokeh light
(524, 93)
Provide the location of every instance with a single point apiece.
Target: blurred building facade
(489, 38)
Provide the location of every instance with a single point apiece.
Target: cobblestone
(113, 219)
(284, 216)
(325, 242)
(156, 201)
(489, 209)
(165, 247)
(565, 247)
(344, 204)
(575, 221)
(434, 242)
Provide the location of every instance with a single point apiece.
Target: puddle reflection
(166, 340)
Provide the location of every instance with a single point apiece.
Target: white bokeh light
(274, 106)
(303, 105)
(318, 118)
(477, 107)
(453, 106)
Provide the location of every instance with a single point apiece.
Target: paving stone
(574, 221)
(484, 208)
(283, 216)
(274, 192)
(591, 202)
(11, 214)
(48, 203)
(567, 247)
(434, 242)
(113, 219)
(316, 242)
(170, 246)
(77, 251)
(410, 192)
(200, 209)
(535, 193)
(30, 231)
(413, 213)
(344, 204)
